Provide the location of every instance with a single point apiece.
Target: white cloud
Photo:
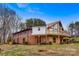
(29, 9)
(34, 10)
(22, 5)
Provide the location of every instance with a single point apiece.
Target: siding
(38, 30)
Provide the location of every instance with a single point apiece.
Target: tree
(22, 26)
(10, 40)
(71, 28)
(8, 22)
(74, 28)
(35, 22)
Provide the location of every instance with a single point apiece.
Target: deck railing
(58, 33)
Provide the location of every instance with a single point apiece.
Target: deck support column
(46, 36)
(58, 39)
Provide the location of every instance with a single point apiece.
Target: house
(52, 33)
(49, 34)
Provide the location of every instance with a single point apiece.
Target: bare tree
(9, 22)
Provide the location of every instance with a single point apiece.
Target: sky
(49, 12)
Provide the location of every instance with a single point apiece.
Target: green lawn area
(76, 38)
(40, 50)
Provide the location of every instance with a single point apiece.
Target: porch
(48, 39)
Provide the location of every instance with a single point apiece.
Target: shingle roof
(22, 31)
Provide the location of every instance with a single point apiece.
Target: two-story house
(51, 33)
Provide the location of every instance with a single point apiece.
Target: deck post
(58, 39)
(46, 38)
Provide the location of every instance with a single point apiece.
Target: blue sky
(49, 12)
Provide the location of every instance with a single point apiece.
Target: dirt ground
(40, 50)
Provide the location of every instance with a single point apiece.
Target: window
(54, 30)
(38, 29)
(23, 40)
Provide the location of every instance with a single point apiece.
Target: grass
(45, 50)
(41, 50)
(76, 38)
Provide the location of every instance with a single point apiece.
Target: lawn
(76, 38)
(40, 50)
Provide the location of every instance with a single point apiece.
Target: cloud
(22, 5)
(35, 11)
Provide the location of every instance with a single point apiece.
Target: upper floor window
(39, 29)
(54, 30)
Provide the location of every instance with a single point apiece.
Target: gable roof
(53, 23)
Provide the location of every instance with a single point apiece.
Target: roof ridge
(53, 22)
